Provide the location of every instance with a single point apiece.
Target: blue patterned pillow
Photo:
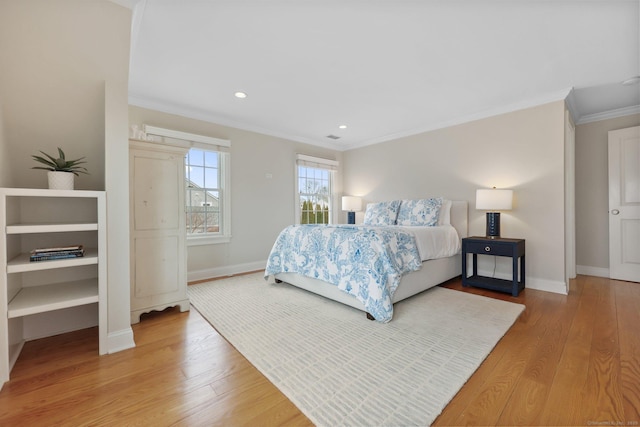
(382, 213)
(420, 212)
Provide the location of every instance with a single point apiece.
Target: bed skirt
(432, 273)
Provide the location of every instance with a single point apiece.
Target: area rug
(341, 369)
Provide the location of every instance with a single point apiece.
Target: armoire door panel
(154, 194)
(156, 269)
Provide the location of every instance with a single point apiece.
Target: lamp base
(351, 217)
(493, 224)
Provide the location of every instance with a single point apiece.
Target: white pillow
(445, 213)
(381, 213)
(423, 212)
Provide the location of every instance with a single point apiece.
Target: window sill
(207, 240)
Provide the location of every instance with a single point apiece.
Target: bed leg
(370, 317)
(278, 281)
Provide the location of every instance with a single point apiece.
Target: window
(206, 195)
(203, 191)
(207, 199)
(314, 192)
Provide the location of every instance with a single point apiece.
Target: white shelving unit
(32, 218)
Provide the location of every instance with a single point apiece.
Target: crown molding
(572, 106)
(611, 114)
(564, 94)
(169, 108)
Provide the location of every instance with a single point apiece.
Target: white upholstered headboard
(459, 217)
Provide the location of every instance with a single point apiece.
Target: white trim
(224, 235)
(318, 160)
(185, 136)
(530, 283)
(191, 113)
(196, 240)
(228, 270)
(318, 163)
(571, 105)
(570, 199)
(612, 114)
(547, 285)
(120, 340)
(154, 104)
(593, 271)
(138, 8)
(566, 94)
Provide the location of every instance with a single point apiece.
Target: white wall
(260, 207)
(522, 150)
(56, 57)
(592, 193)
(5, 169)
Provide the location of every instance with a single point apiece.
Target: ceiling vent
(333, 136)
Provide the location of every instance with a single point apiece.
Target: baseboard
(538, 284)
(229, 270)
(532, 282)
(592, 271)
(120, 340)
(546, 285)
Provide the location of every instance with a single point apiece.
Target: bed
(414, 279)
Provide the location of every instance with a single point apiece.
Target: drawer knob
(487, 249)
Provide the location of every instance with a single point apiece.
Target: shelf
(50, 228)
(492, 283)
(34, 293)
(22, 264)
(39, 299)
(43, 192)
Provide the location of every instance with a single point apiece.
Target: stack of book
(64, 252)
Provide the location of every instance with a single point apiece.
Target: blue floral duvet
(366, 262)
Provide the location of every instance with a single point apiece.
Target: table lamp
(351, 204)
(494, 200)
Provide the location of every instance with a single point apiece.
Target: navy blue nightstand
(498, 246)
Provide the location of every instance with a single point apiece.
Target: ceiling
(383, 68)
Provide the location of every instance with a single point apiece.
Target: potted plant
(61, 171)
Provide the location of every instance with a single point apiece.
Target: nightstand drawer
(489, 248)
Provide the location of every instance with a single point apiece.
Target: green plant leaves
(60, 164)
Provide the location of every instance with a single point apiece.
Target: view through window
(203, 191)
(315, 189)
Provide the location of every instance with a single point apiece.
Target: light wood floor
(568, 360)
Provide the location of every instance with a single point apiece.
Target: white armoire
(157, 227)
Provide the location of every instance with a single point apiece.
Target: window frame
(224, 233)
(317, 163)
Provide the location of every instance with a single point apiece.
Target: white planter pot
(60, 180)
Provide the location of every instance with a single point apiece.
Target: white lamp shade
(494, 200)
(351, 203)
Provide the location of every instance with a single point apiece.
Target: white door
(624, 204)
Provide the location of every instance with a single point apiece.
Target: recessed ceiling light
(632, 81)
(240, 95)
(342, 126)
